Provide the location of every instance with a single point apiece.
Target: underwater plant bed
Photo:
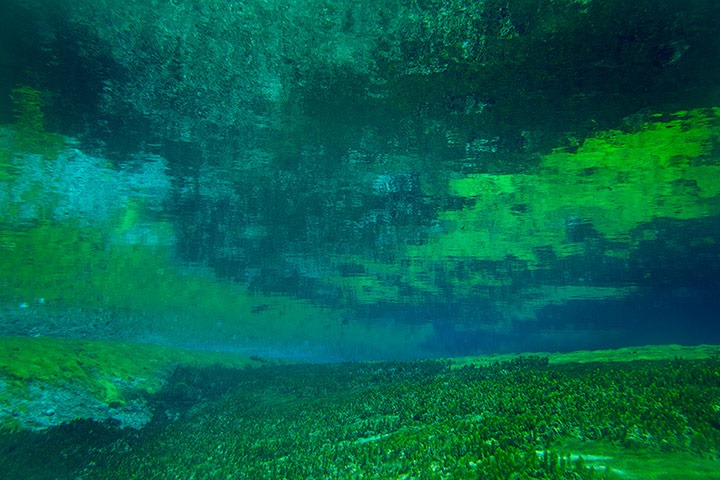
(521, 418)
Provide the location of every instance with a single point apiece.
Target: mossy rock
(112, 370)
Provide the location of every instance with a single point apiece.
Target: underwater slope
(647, 413)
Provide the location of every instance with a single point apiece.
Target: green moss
(112, 370)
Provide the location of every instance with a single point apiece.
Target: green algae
(112, 370)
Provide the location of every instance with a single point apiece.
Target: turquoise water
(334, 181)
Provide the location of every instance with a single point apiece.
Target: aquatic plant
(520, 419)
(106, 376)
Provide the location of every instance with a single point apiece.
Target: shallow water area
(308, 238)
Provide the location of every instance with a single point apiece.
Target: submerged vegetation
(422, 420)
(333, 179)
(521, 418)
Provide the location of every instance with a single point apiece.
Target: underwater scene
(335, 239)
